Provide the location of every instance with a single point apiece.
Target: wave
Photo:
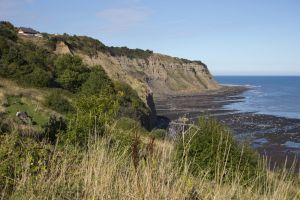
(247, 85)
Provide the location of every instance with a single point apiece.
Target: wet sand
(278, 138)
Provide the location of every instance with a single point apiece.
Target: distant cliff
(161, 74)
(147, 72)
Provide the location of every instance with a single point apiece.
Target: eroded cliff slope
(147, 72)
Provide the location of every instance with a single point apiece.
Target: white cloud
(121, 19)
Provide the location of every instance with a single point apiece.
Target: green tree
(97, 83)
(92, 113)
(37, 78)
(70, 72)
(209, 146)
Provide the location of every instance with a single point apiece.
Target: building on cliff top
(29, 32)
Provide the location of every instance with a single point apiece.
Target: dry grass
(103, 172)
(33, 95)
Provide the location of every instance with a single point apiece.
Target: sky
(233, 37)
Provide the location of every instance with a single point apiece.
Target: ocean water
(273, 95)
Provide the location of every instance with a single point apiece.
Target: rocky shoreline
(277, 138)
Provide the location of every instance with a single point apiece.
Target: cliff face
(160, 74)
(155, 75)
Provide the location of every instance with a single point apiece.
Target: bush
(54, 127)
(7, 30)
(58, 103)
(97, 83)
(158, 133)
(37, 78)
(25, 63)
(18, 154)
(131, 104)
(70, 72)
(93, 112)
(209, 146)
(127, 124)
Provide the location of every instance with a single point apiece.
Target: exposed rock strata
(157, 75)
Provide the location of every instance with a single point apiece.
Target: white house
(29, 32)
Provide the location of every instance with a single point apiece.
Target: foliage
(17, 103)
(209, 146)
(58, 102)
(92, 46)
(54, 127)
(158, 133)
(70, 72)
(97, 83)
(38, 78)
(92, 114)
(130, 53)
(85, 44)
(18, 154)
(131, 105)
(131, 125)
(7, 30)
(25, 62)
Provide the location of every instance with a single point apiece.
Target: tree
(97, 83)
(70, 72)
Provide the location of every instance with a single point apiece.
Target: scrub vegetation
(88, 137)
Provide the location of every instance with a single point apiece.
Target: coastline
(277, 138)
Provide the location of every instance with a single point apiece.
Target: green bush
(158, 133)
(97, 83)
(53, 127)
(25, 62)
(58, 103)
(37, 78)
(70, 72)
(93, 112)
(18, 154)
(130, 53)
(131, 104)
(209, 146)
(7, 30)
(127, 124)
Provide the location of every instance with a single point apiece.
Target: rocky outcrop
(62, 48)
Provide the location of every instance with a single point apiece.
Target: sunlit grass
(105, 171)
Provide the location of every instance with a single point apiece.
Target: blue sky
(233, 37)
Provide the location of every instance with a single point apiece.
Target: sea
(271, 95)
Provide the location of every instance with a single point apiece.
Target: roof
(28, 30)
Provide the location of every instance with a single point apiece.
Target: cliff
(150, 74)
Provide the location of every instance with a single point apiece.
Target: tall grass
(105, 171)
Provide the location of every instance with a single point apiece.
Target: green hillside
(81, 135)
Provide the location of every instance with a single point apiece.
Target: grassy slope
(16, 104)
(105, 173)
(15, 98)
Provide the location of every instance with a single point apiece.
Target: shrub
(209, 146)
(93, 112)
(158, 133)
(131, 104)
(53, 127)
(58, 103)
(70, 72)
(97, 83)
(18, 154)
(37, 78)
(7, 30)
(127, 124)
